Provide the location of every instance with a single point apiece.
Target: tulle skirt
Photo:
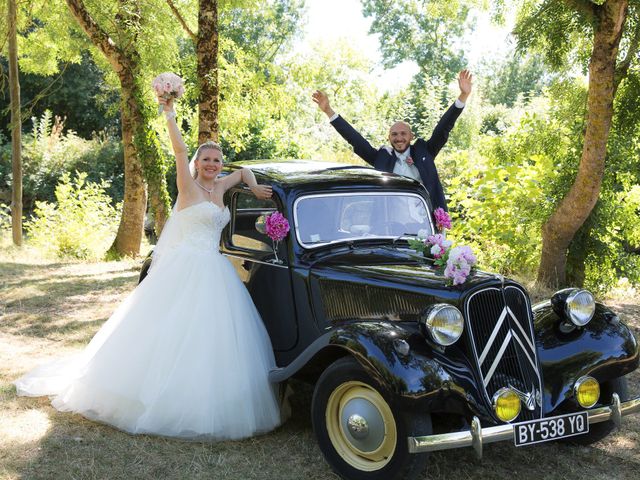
(185, 355)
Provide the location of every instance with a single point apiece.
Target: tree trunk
(16, 125)
(574, 209)
(135, 130)
(207, 52)
(129, 236)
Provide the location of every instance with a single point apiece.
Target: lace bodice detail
(198, 226)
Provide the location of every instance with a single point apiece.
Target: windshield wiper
(413, 235)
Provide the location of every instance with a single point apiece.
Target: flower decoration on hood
(455, 263)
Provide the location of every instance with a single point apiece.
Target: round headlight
(444, 323)
(580, 307)
(587, 391)
(506, 404)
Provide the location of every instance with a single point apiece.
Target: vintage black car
(403, 363)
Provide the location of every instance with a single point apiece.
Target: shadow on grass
(71, 329)
(74, 447)
(45, 304)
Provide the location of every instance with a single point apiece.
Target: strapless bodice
(200, 225)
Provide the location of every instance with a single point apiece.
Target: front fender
(605, 349)
(426, 378)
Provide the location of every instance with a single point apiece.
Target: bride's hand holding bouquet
(168, 86)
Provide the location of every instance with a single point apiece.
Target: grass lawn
(52, 308)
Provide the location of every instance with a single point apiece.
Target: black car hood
(398, 267)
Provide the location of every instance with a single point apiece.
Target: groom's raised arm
(441, 132)
(360, 145)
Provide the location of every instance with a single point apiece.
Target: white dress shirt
(403, 168)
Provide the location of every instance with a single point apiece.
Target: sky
(329, 20)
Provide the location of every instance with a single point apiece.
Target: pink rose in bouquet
(438, 245)
(168, 85)
(459, 263)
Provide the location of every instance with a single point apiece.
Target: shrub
(5, 218)
(49, 151)
(80, 224)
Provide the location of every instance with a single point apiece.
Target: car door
(251, 253)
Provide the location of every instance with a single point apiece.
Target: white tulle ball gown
(185, 355)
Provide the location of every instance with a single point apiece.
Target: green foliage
(80, 224)
(48, 152)
(5, 218)
(263, 32)
(499, 198)
(560, 30)
(340, 71)
(514, 80)
(422, 31)
(502, 192)
(79, 92)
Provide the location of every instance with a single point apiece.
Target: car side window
(246, 210)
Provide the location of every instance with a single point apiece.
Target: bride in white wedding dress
(186, 354)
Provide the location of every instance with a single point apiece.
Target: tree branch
(623, 68)
(585, 7)
(98, 36)
(182, 21)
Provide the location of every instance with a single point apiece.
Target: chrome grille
(343, 301)
(501, 331)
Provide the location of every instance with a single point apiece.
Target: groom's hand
(323, 102)
(465, 83)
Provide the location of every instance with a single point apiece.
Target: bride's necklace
(209, 191)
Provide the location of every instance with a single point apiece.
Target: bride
(186, 354)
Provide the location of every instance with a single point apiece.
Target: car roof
(313, 174)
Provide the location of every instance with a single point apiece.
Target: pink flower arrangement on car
(443, 221)
(168, 85)
(454, 262)
(276, 228)
(459, 263)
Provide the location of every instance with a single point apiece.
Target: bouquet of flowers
(277, 228)
(454, 262)
(167, 85)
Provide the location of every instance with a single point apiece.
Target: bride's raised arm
(186, 185)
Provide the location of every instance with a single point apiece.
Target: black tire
(597, 431)
(144, 270)
(344, 385)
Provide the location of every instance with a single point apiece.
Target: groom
(415, 161)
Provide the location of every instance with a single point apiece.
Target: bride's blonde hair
(205, 146)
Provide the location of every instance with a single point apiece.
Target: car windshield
(322, 219)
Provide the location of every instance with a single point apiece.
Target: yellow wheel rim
(361, 426)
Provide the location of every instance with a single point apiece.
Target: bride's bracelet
(169, 114)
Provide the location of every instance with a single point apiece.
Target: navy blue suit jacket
(423, 152)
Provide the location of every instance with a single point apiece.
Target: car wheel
(597, 431)
(144, 270)
(361, 434)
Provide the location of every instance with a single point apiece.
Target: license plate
(552, 428)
